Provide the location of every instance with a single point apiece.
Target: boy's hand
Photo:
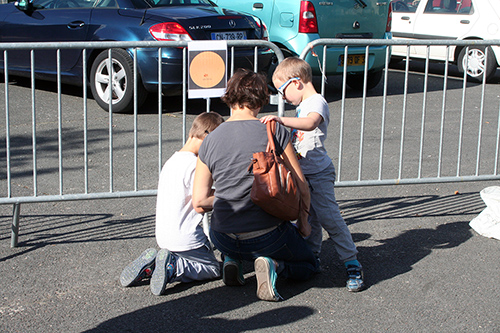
(267, 119)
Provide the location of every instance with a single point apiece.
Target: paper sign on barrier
(207, 69)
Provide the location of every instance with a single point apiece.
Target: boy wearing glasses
(293, 79)
(185, 253)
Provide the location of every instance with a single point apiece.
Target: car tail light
(263, 28)
(169, 31)
(307, 20)
(388, 26)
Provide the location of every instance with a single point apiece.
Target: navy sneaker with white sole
(139, 269)
(165, 272)
(232, 272)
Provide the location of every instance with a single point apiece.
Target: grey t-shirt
(227, 152)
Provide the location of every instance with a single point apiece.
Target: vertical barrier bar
(342, 114)
(384, 108)
(462, 112)
(15, 225)
(160, 111)
(403, 117)
(443, 108)
(424, 106)
(7, 122)
(135, 122)
(110, 118)
(323, 71)
(232, 61)
(59, 120)
(184, 94)
(497, 149)
(256, 59)
(481, 112)
(33, 123)
(363, 114)
(85, 121)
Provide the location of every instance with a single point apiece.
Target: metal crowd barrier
(7, 197)
(388, 162)
(378, 139)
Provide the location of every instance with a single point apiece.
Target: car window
(55, 4)
(449, 6)
(405, 6)
(106, 4)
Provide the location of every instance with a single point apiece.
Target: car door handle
(76, 24)
(464, 21)
(258, 5)
(406, 18)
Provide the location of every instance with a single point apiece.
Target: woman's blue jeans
(284, 244)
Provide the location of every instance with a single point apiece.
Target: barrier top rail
(132, 44)
(390, 42)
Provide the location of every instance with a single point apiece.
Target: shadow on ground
(383, 259)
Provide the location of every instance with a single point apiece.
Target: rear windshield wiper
(361, 3)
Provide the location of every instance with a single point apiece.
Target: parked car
(292, 24)
(121, 20)
(451, 20)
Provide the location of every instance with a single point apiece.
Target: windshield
(162, 3)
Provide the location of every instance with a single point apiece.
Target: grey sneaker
(265, 271)
(355, 278)
(139, 269)
(165, 272)
(232, 272)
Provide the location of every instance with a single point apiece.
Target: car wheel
(476, 63)
(355, 80)
(122, 81)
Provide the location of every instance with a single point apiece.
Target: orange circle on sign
(207, 69)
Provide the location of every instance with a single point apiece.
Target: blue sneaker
(165, 272)
(355, 278)
(139, 269)
(232, 272)
(265, 271)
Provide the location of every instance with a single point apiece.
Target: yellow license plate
(353, 60)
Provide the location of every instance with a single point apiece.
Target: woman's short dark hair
(246, 89)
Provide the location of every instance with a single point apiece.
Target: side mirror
(24, 5)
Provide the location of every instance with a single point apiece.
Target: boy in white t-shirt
(185, 253)
(293, 79)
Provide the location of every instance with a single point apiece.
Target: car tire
(477, 59)
(122, 82)
(355, 80)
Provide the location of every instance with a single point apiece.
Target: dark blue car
(120, 20)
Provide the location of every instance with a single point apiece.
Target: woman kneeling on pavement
(240, 229)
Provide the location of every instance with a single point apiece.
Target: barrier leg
(15, 225)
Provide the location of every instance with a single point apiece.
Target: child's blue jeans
(325, 213)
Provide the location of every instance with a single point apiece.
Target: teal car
(292, 24)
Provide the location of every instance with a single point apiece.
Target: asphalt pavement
(426, 271)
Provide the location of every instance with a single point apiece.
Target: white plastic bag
(487, 223)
